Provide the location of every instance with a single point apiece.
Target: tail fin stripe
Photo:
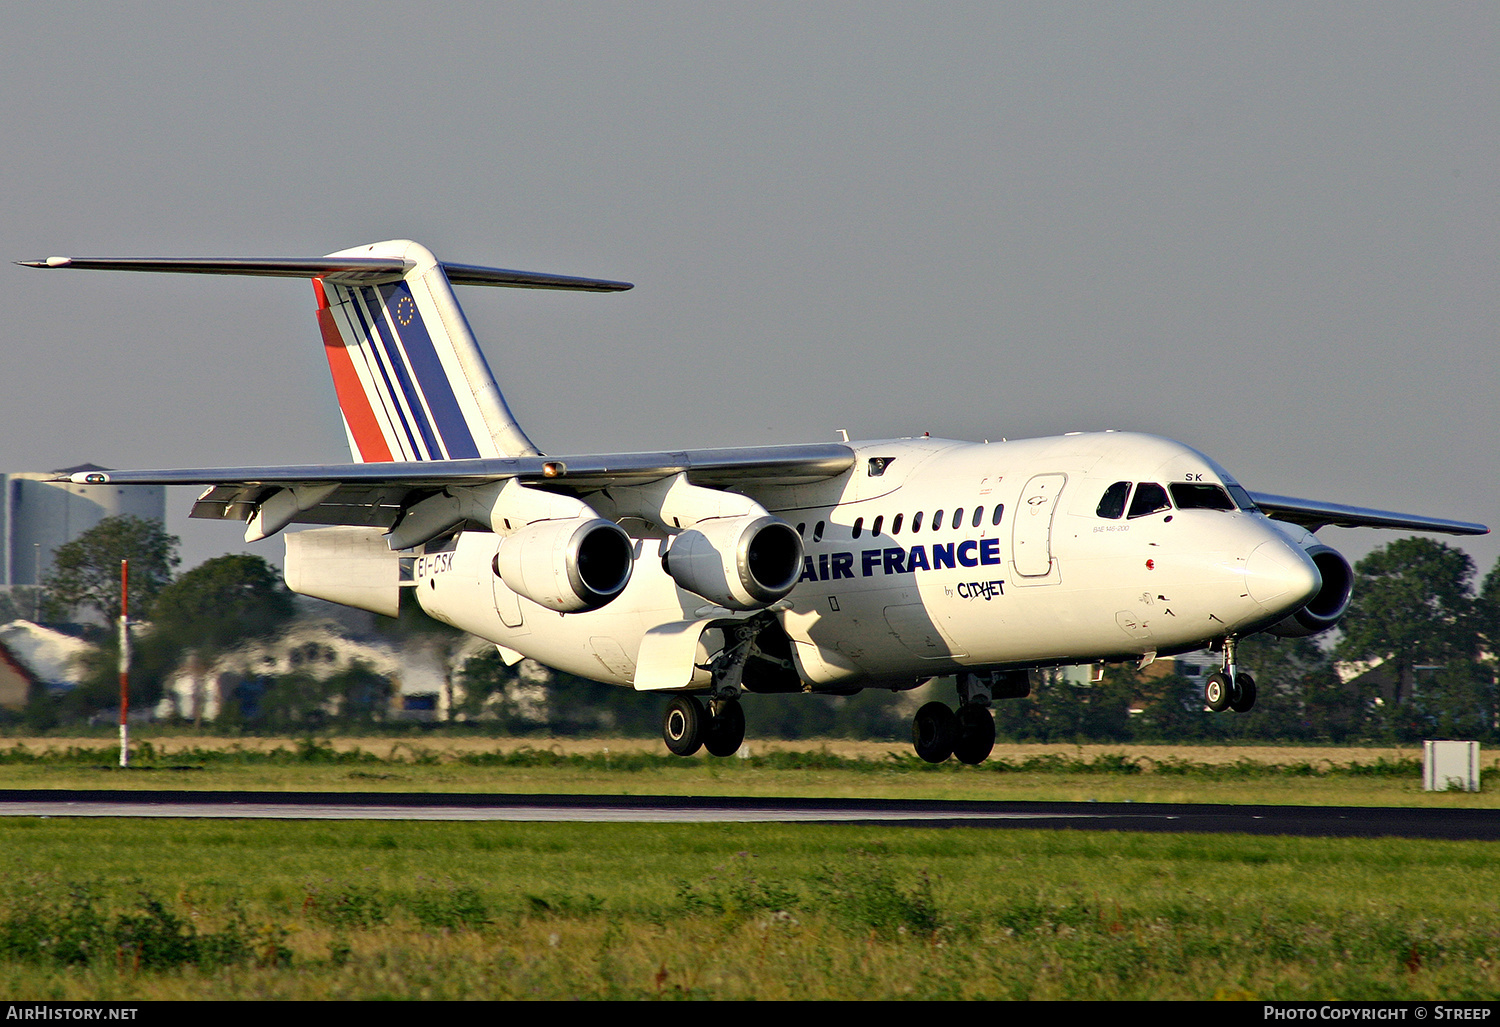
(393, 346)
(359, 419)
(431, 377)
(380, 358)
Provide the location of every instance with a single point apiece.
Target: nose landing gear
(1229, 690)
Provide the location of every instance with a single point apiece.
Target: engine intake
(740, 563)
(1327, 608)
(570, 566)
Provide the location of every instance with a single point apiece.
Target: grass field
(111, 909)
(1141, 773)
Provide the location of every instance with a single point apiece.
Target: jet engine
(570, 566)
(740, 563)
(1325, 609)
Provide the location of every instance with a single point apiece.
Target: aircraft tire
(933, 731)
(1216, 692)
(1242, 699)
(682, 727)
(725, 731)
(976, 734)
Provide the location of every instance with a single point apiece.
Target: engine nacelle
(740, 563)
(569, 565)
(1325, 609)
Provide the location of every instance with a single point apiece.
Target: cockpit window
(1149, 498)
(1241, 497)
(1112, 506)
(1189, 495)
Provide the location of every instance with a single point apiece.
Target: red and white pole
(124, 662)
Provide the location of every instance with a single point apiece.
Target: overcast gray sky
(1267, 230)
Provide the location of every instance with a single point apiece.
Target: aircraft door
(1031, 541)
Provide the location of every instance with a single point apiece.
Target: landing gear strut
(1229, 689)
(719, 726)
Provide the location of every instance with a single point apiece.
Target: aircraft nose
(1279, 576)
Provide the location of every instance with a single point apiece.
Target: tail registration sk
(709, 574)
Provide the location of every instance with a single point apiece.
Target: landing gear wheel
(682, 727)
(726, 729)
(1242, 699)
(976, 734)
(933, 731)
(1216, 692)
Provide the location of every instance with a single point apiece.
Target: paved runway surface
(1315, 821)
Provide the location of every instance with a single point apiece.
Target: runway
(1308, 821)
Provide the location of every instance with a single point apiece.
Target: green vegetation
(236, 909)
(85, 572)
(1245, 774)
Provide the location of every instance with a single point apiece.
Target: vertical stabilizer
(412, 383)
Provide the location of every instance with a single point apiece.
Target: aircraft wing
(1313, 514)
(375, 494)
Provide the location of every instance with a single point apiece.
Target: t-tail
(412, 383)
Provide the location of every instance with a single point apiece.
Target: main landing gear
(689, 725)
(718, 726)
(937, 732)
(1229, 689)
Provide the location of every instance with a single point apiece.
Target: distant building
(37, 516)
(319, 648)
(32, 657)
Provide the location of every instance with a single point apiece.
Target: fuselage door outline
(1031, 539)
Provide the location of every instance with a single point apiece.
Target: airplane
(708, 574)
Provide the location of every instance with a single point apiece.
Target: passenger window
(999, 512)
(1194, 496)
(818, 532)
(958, 517)
(859, 526)
(896, 524)
(1149, 498)
(875, 528)
(1112, 506)
(978, 516)
(802, 530)
(937, 521)
(916, 521)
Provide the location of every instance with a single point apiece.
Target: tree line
(1416, 620)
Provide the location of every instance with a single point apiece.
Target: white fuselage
(910, 572)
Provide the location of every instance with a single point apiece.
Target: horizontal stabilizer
(1313, 514)
(366, 270)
